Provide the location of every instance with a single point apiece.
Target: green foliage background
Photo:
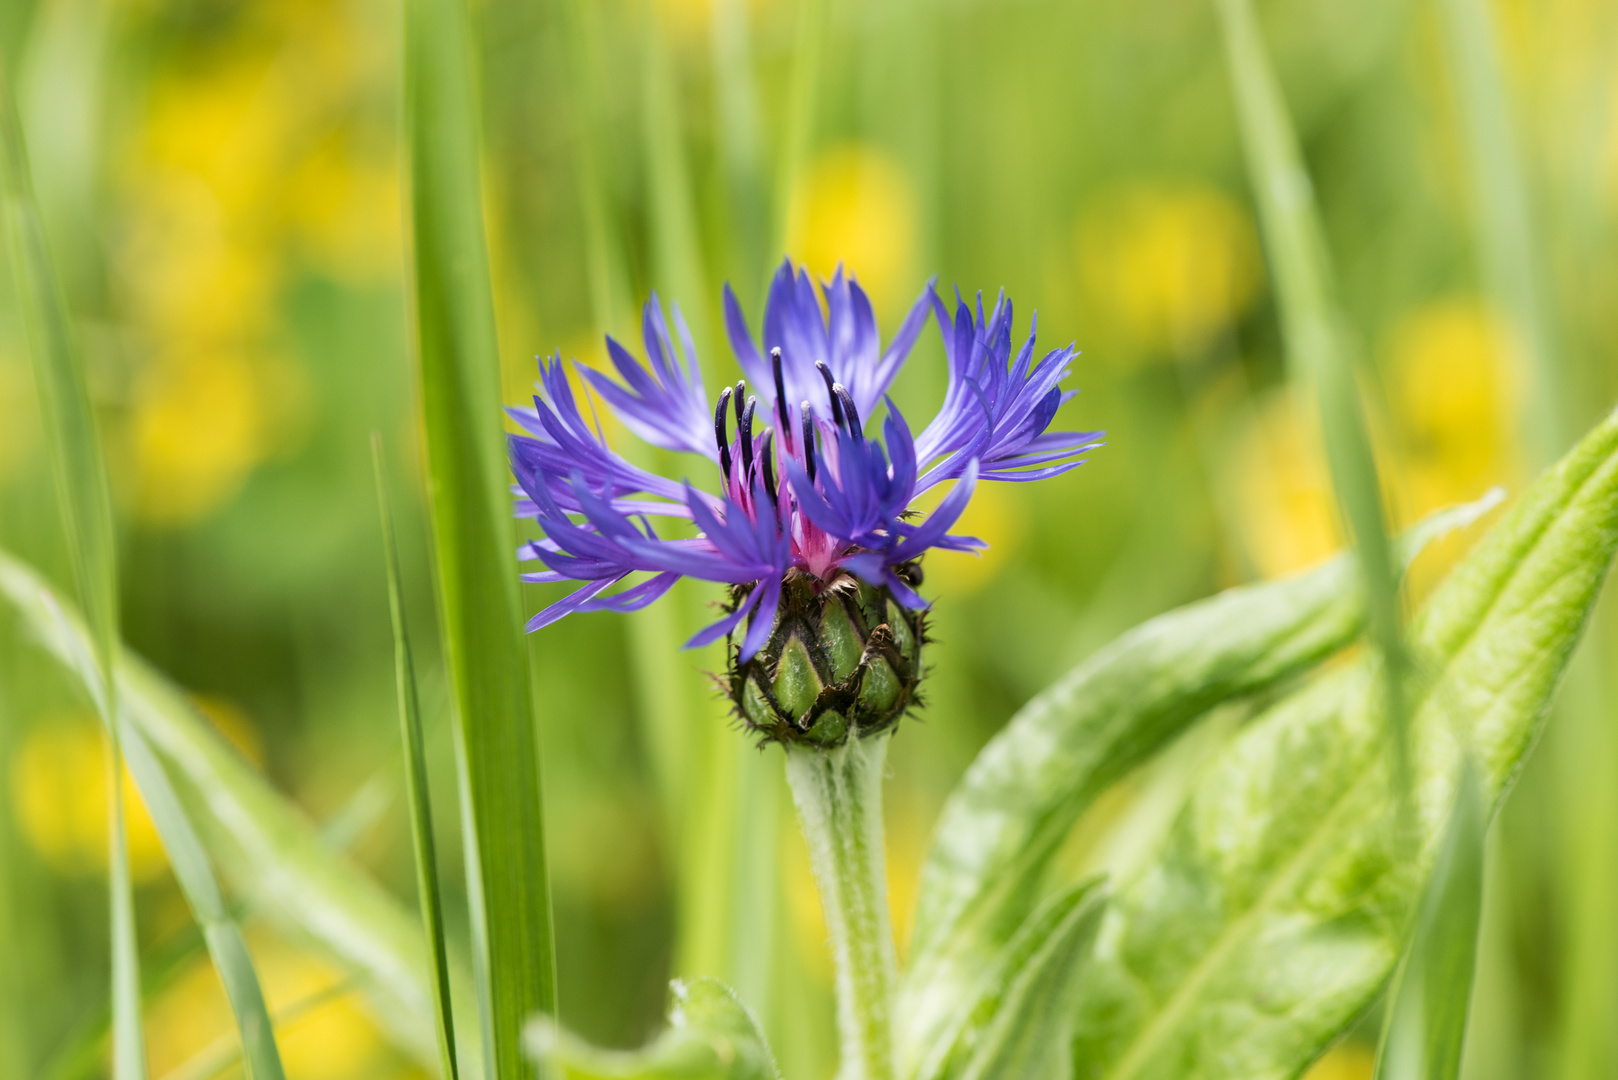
(220, 182)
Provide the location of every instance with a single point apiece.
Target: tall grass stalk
(458, 369)
(1318, 352)
(74, 448)
(421, 807)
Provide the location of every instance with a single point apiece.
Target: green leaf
(1426, 1026)
(711, 1036)
(458, 366)
(1003, 823)
(268, 848)
(86, 506)
(421, 808)
(1017, 1020)
(1276, 909)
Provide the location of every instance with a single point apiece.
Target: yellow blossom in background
(321, 1028)
(1288, 512)
(16, 426)
(1168, 265)
(201, 422)
(1345, 1061)
(855, 206)
(59, 798)
(245, 159)
(996, 516)
(1454, 383)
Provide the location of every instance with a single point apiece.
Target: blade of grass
(458, 367)
(799, 134)
(86, 508)
(1318, 354)
(272, 852)
(194, 872)
(736, 115)
(676, 244)
(421, 810)
(1432, 993)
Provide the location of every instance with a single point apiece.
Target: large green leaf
(1276, 909)
(458, 367)
(1003, 823)
(1018, 1017)
(711, 1036)
(263, 843)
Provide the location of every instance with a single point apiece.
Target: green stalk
(458, 367)
(421, 807)
(839, 798)
(86, 508)
(1318, 353)
(800, 123)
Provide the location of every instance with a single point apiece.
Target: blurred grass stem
(1318, 353)
(415, 760)
(458, 367)
(86, 507)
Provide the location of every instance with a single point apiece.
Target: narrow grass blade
(737, 124)
(603, 249)
(1427, 1017)
(421, 810)
(676, 242)
(1317, 344)
(195, 874)
(1004, 821)
(86, 507)
(273, 854)
(1505, 234)
(458, 367)
(799, 135)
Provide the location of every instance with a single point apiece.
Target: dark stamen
(781, 396)
(854, 429)
(809, 440)
(745, 434)
(769, 465)
(740, 399)
(719, 434)
(831, 391)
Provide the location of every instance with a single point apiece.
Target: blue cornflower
(807, 503)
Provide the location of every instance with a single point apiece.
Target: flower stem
(838, 793)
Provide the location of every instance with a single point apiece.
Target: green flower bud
(842, 658)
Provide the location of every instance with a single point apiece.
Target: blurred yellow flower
(16, 425)
(1454, 380)
(59, 797)
(1169, 265)
(1345, 1061)
(201, 422)
(247, 155)
(855, 206)
(996, 516)
(1289, 515)
(327, 1036)
(344, 209)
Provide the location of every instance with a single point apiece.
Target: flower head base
(812, 525)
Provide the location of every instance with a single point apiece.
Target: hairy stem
(839, 798)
